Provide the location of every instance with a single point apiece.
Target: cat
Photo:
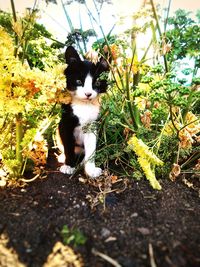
(76, 131)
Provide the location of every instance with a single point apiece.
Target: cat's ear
(104, 63)
(71, 55)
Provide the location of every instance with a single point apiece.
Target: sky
(54, 19)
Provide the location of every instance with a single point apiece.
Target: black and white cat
(84, 82)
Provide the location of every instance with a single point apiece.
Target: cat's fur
(85, 83)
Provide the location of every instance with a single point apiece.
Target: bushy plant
(148, 105)
(149, 121)
(28, 96)
(150, 116)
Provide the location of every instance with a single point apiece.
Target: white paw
(93, 171)
(61, 158)
(67, 169)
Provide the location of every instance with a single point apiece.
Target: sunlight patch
(63, 256)
(8, 256)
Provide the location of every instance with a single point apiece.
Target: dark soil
(135, 227)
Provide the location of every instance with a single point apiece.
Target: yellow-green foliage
(22, 88)
(147, 160)
(30, 93)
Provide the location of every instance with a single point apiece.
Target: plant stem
(189, 102)
(13, 10)
(15, 20)
(194, 156)
(167, 17)
(159, 31)
(19, 136)
(81, 28)
(136, 113)
(128, 101)
(72, 30)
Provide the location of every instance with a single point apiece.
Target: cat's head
(85, 80)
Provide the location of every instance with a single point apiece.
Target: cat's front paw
(92, 171)
(67, 169)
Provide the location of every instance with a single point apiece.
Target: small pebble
(105, 233)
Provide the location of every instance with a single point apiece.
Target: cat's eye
(78, 82)
(97, 83)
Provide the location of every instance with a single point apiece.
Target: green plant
(72, 236)
(147, 98)
(77, 37)
(25, 92)
(151, 110)
(31, 39)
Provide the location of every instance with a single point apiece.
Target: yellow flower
(169, 129)
(144, 87)
(140, 102)
(142, 150)
(6, 44)
(149, 173)
(147, 160)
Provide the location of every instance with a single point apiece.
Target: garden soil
(125, 222)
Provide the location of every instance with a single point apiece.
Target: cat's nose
(88, 95)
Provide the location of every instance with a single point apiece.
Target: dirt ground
(126, 223)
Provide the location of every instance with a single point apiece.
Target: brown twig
(106, 257)
(151, 255)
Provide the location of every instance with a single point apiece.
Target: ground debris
(106, 258)
(106, 184)
(32, 217)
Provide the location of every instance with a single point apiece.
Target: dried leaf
(92, 55)
(189, 184)
(176, 170)
(197, 166)
(114, 178)
(146, 119)
(39, 152)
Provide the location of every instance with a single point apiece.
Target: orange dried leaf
(176, 170)
(114, 179)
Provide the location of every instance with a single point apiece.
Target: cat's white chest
(86, 113)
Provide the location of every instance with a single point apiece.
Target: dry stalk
(106, 257)
(151, 255)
